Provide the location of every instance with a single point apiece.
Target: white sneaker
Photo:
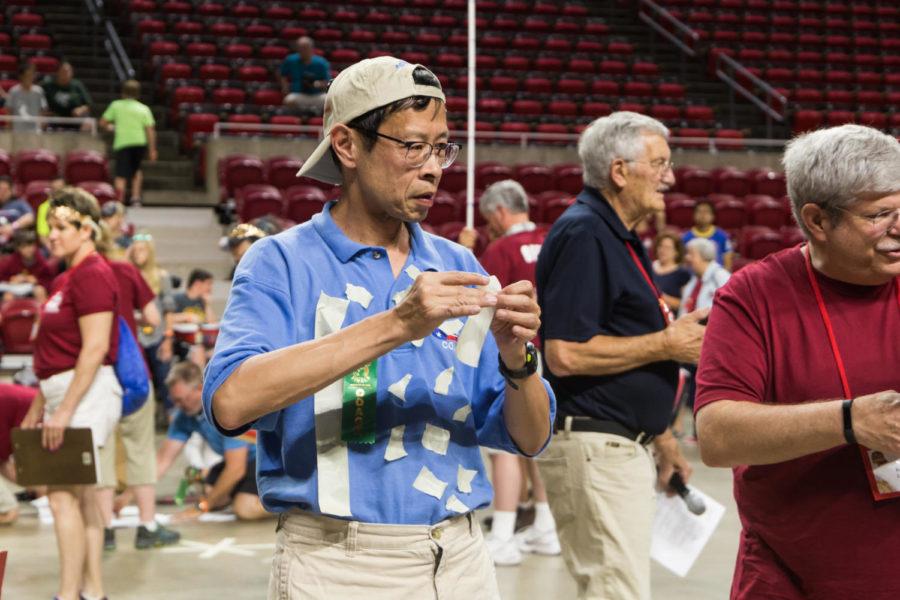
(535, 541)
(504, 553)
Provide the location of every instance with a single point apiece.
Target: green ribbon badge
(358, 411)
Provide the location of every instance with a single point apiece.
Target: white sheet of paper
(442, 382)
(462, 413)
(398, 388)
(474, 332)
(679, 535)
(436, 439)
(887, 474)
(464, 479)
(395, 447)
(358, 294)
(428, 483)
(456, 505)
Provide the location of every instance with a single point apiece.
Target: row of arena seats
(43, 165)
(863, 8)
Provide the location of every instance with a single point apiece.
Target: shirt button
(376, 255)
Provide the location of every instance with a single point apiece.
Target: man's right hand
(876, 421)
(685, 336)
(436, 297)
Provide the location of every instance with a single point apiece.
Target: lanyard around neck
(667, 315)
(820, 300)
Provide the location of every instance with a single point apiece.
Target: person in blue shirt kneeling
(374, 359)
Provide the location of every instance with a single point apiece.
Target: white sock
(150, 525)
(86, 597)
(543, 518)
(504, 524)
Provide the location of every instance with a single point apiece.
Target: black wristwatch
(530, 368)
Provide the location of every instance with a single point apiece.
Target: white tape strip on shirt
(398, 388)
(462, 413)
(358, 294)
(454, 504)
(428, 483)
(471, 340)
(332, 456)
(443, 380)
(395, 447)
(436, 439)
(464, 479)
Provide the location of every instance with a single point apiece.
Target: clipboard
(73, 463)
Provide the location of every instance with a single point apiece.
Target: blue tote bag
(131, 371)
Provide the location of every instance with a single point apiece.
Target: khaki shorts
(320, 558)
(137, 434)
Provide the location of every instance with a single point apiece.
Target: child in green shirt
(135, 136)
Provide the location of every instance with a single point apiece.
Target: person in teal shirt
(304, 77)
(135, 136)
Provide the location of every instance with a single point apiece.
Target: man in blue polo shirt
(612, 351)
(304, 77)
(336, 347)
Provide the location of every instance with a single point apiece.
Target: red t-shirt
(86, 289)
(810, 526)
(42, 270)
(15, 400)
(134, 293)
(513, 257)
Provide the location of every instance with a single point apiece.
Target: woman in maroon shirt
(75, 349)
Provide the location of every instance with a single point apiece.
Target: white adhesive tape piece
(471, 340)
(395, 447)
(456, 505)
(427, 483)
(398, 388)
(436, 439)
(464, 479)
(442, 382)
(413, 272)
(358, 294)
(451, 327)
(462, 413)
(418, 343)
(399, 296)
(332, 457)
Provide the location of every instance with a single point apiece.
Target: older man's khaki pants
(601, 492)
(320, 558)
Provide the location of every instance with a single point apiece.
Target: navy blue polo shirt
(588, 285)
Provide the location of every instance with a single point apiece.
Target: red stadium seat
(233, 51)
(768, 212)
(258, 200)
(201, 49)
(223, 29)
(454, 178)
(733, 182)
(527, 107)
(730, 212)
(572, 86)
(568, 178)
(244, 10)
(303, 202)
(37, 41)
(680, 212)
(273, 52)
(26, 19)
(18, 318)
(173, 70)
(486, 174)
(596, 109)
(538, 85)
(239, 170)
(229, 95)
(639, 89)
(699, 113)
(807, 120)
(101, 190)
(670, 90)
(552, 206)
(770, 183)
(85, 165)
(564, 108)
(268, 97)
(216, 72)
(759, 242)
(36, 192)
(534, 178)
(45, 64)
(665, 112)
(696, 182)
(32, 165)
(873, 119)
(197, 123)
(150, 25)
(445, 209)
(839, 117)
(281, 171)
(792, 236)
(187, 28)
(253, 73)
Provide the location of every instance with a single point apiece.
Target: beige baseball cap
(364, 86)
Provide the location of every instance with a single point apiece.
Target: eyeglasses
(660, 166)
(881, 222)
(418, 153)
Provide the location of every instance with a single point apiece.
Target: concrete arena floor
(231, 560)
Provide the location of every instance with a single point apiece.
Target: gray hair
(706, 248)
(615, 136)
(835, 167)
(507, 193)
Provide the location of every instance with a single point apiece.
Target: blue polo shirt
(302, 75)
(433, 412)
(183, 426)
(588, 285)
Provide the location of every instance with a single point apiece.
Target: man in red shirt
(27, 265)
(512, 257)
(15, 400)
(797, 381)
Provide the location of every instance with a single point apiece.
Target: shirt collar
(593, 198)
(520, 228)
(710, 272)
(422, 250)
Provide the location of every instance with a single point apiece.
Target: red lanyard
(842, 372)
(667, 315)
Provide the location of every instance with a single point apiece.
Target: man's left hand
(516, 321)
(668, 460)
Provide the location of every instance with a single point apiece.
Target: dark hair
(6, 179)
(23, 237)
(131, 88)
(26, 67)
(198, 275)
(705, 202)
(676, 239)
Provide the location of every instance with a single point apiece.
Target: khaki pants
(136, 431)
(601, 492)
(320, 558)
